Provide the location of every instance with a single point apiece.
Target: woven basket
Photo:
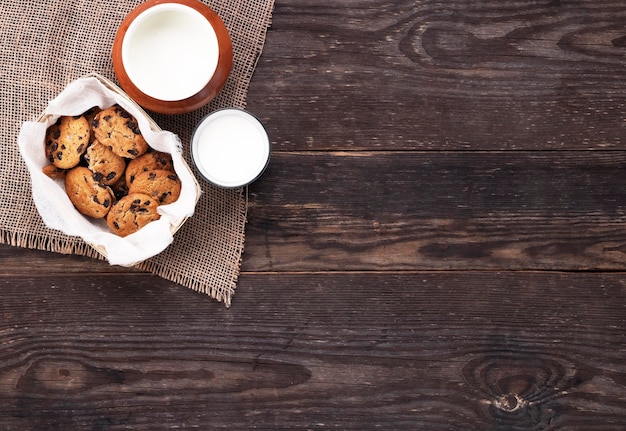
(154, 126)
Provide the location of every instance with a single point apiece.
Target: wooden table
(439, 243)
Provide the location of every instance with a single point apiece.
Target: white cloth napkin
(52, 202)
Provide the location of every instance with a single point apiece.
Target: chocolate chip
(137, 201)
(117, 226)
(111, 176)
(164, 196)
(98, 177)
(80, 148)
(152, 175)
(132, 178)
(123, 113)
(95, 199)
(106, 203)
(60, 155)
(63, 147)
(56, 134)
(133, 152)
(133, 127)
(54, 146)
(95, 122)
(172, 177)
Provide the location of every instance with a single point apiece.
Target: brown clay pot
(202, 96)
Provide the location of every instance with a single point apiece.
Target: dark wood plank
(454, 210)
(414, 350)
(18, 260)
(455, 75)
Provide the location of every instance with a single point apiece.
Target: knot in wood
(510, 402)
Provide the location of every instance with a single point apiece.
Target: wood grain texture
(438, 243)
(433, 75)
(452, 210)
(16, 260)
(339, 351)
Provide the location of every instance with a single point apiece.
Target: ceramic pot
(172, 56)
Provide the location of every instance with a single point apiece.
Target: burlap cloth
(46, 45)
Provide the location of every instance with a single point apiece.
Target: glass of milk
(230, 148)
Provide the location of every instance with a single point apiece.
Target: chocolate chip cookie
(150, 161)
(160, 184)
(107, 166)
(67, 140)
(131, 213)
(88, 196)
(116, 128)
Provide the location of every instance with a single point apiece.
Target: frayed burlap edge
(221, 293)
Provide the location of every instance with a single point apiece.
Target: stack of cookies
(109, 170)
